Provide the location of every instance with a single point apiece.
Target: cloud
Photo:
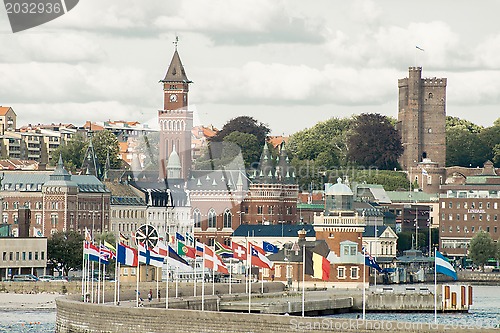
(57, 83)
(259, 83)
(50, 47)
(246, 22)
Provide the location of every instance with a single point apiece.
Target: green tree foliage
(464, 148)
(248, 144)
(482, 247)
(374, 142)
(490, 137)
(149, 146)
(105, 142)
(243, 124)
(65, 250)
(324, 143)
(457, 123)
(71, 152)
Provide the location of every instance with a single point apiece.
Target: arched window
(228, 219)
(197, 218)
(212, 218)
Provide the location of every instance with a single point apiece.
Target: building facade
(466, 209)
(22, 255)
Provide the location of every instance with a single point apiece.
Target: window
(429, 180)
(24, 255)
(212, 218)
(341, 272)
(289, 271)
(443, 204)
(472, 229)
(458, 205)
(259, 209)
(465, 217)
(30, 255)
(465, 205)
(38, 219)
(211, 242)
(53, 220)
(197, 218)
(450, 204)
(227, 219)
(450, 217)
(458, 217)
(354, 273)
(277, 271)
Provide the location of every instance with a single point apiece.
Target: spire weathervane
(176, 42)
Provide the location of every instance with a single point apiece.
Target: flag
(123, 238)
(443, 266)
(91, 251)
(239, 252)
(321, 267)
(219, 265)
(208, 256)
(370, 261)
(172, 254)
(419, 48)
(37, 232)
(106, 253)
(223, 250)
(179, 237)
(424, 172)
(161, 249)
(111, 247)
(149, 257)
(189, 238)
(184, 250)
(88, 236)
(268, 247)
(259, 258)
(199, 249)
(126, 255)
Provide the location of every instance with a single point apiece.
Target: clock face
(173, 98)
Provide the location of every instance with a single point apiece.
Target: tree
(243, 124)
(248, 144)
(457, 123)
(490, 136)
(71, 152)
(65, 250)
(374, 142)
(482, 248)
(105, 142)
(325, 143)
(464, 148)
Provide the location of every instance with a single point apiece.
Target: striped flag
(443, 266)
(223, 250)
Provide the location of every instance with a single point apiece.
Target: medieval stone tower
(175, 120)
(422, 119)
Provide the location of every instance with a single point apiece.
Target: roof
(310, 206)
(4, 110)
(370, 231)
(287, 254)
(176, 72)
(217, 180)
(273, 230)
(405, 196)
(26, 181)
(483, 180)
(337, 189)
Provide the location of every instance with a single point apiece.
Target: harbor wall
(74, 316)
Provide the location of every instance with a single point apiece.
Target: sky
(287, 63)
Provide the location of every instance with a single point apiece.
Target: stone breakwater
(74, 316)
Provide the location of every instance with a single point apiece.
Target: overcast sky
(287, 63)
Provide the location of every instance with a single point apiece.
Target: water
(484, 313)
(23, 321)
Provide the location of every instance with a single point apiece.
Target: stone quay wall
(74, 316)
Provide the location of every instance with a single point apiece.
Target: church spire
(176, 72)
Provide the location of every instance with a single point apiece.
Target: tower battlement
(434, 82)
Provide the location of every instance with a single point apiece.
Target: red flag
(258, 258)
(239, 252)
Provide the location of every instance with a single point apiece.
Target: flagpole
(176, 281)
(246, 266)
(303, 278)
(435, 288)
(103, 281)
(83, 273)
(118, 287)
(99, 276)
(249, 277)
(92, 282)
(364, 288)
(137, 282)
(230, 275)
(117, 275)
(168, 278)
(203, 281)
(194, 272)
(213, 271)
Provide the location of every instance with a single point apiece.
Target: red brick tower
(175, 120)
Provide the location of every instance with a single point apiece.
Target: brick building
(468, 208)
(58, 201)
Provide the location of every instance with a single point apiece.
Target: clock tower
(175, 120)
